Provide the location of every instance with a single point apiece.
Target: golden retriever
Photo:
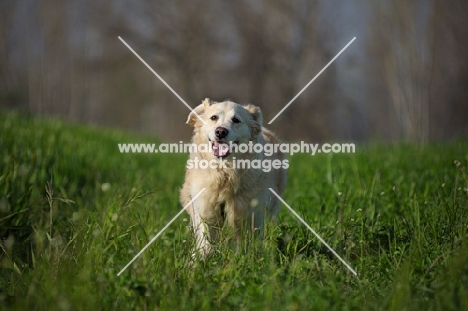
(235, 194)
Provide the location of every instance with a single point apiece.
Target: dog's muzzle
(220, 148)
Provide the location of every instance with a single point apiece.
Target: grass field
(74, 212)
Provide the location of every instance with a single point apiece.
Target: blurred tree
(448, 94)
(406, 68)
(422, 58)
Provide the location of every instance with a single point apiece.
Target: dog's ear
(257, 118)
(199, 110)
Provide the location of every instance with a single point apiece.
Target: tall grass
(74, 211)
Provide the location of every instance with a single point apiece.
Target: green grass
(74, 211)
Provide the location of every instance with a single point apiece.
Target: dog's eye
(214, 118)
(235, 120)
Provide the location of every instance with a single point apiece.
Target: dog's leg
(246, 219)
(257, 222)
(202, 244)
(234, 222)
(207, 220)
(244, 222)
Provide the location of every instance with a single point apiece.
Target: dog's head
(225, 123)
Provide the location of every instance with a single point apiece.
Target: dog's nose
(221, 132)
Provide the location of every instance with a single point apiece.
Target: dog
(238, 196)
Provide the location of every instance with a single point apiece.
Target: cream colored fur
(239, 197)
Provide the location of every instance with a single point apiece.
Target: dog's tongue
(220, 149)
